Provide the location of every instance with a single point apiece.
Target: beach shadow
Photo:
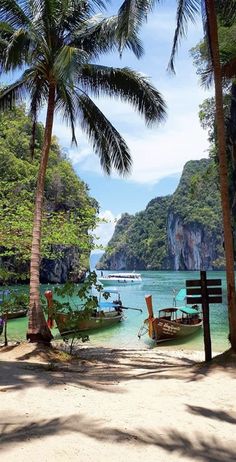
(99, 368)
(15, 430)
(212, 414)
(198, 447)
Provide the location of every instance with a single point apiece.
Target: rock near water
(178, 232)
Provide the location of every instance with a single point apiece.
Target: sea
(160, 284)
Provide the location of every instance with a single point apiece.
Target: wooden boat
(171, 323)
(17, 314)
(108, 314)
(13, 314)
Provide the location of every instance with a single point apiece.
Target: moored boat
(120, 278)
(171, 323)
(17, 314)
(106, 315)
(13, 312)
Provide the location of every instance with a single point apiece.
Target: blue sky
(160, 153)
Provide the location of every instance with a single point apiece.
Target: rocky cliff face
(63, 269)
(178, 232)
(191, 246)
(67, 267)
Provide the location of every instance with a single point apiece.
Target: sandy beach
(117, 405)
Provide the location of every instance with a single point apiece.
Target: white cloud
(104, 231)
(163, 150)
(156, 153)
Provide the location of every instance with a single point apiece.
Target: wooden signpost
(204, 291)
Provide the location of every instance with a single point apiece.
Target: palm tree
(56, 45)
(187, 10)
(135, 13)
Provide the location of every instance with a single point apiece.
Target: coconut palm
(134, 13)
(187, 10)
(55, 44)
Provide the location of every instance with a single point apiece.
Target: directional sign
(204, 291)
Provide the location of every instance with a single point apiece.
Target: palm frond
(226, 10)
(13, 93)
(67, 61)
(186, 10)
(127, 85)
(207, 77)
(17, 50)
(37, 94)
(107, 143)
(131, 16)
(66, 104)
(5, 28)
(12, 12)
(99, 35)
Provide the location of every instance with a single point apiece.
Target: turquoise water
(160, 284)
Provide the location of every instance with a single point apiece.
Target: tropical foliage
(209, 9)
(207, 113)
(57, 45)
(69, 211)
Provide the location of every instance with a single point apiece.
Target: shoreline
(23, 351)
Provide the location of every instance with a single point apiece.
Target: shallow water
(160, 284)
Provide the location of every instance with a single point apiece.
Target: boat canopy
(181, 295)
(168, 310)
(106, 305)
(188, 310)
(108, 291)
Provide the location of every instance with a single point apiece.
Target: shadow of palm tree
(98, 368)
(212, 414)
(197, 447)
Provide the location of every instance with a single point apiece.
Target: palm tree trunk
(38, 330)
(223, 170)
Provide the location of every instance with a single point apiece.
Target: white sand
(116, 405)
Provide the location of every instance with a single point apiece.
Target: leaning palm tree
(187, 10)
(56, 45)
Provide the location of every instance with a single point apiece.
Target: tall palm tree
(134, 13)
(186, 11)
(56, 45)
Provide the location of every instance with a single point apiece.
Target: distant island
(182, 231)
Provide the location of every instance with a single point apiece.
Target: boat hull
(17, 314)
(66, 325)
(161, 330)
(112, 282)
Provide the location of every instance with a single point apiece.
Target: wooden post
(5, 329)
(205, 313)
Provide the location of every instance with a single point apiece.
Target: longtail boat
(13, 313)
(171, 323)
(107, 314)
(17, 314)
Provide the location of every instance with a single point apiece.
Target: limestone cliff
(178, 232)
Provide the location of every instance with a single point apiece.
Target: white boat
(120, 278)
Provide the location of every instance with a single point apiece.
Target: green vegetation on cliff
(144, 241)
(69, 211)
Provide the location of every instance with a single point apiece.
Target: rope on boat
(142, 331)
